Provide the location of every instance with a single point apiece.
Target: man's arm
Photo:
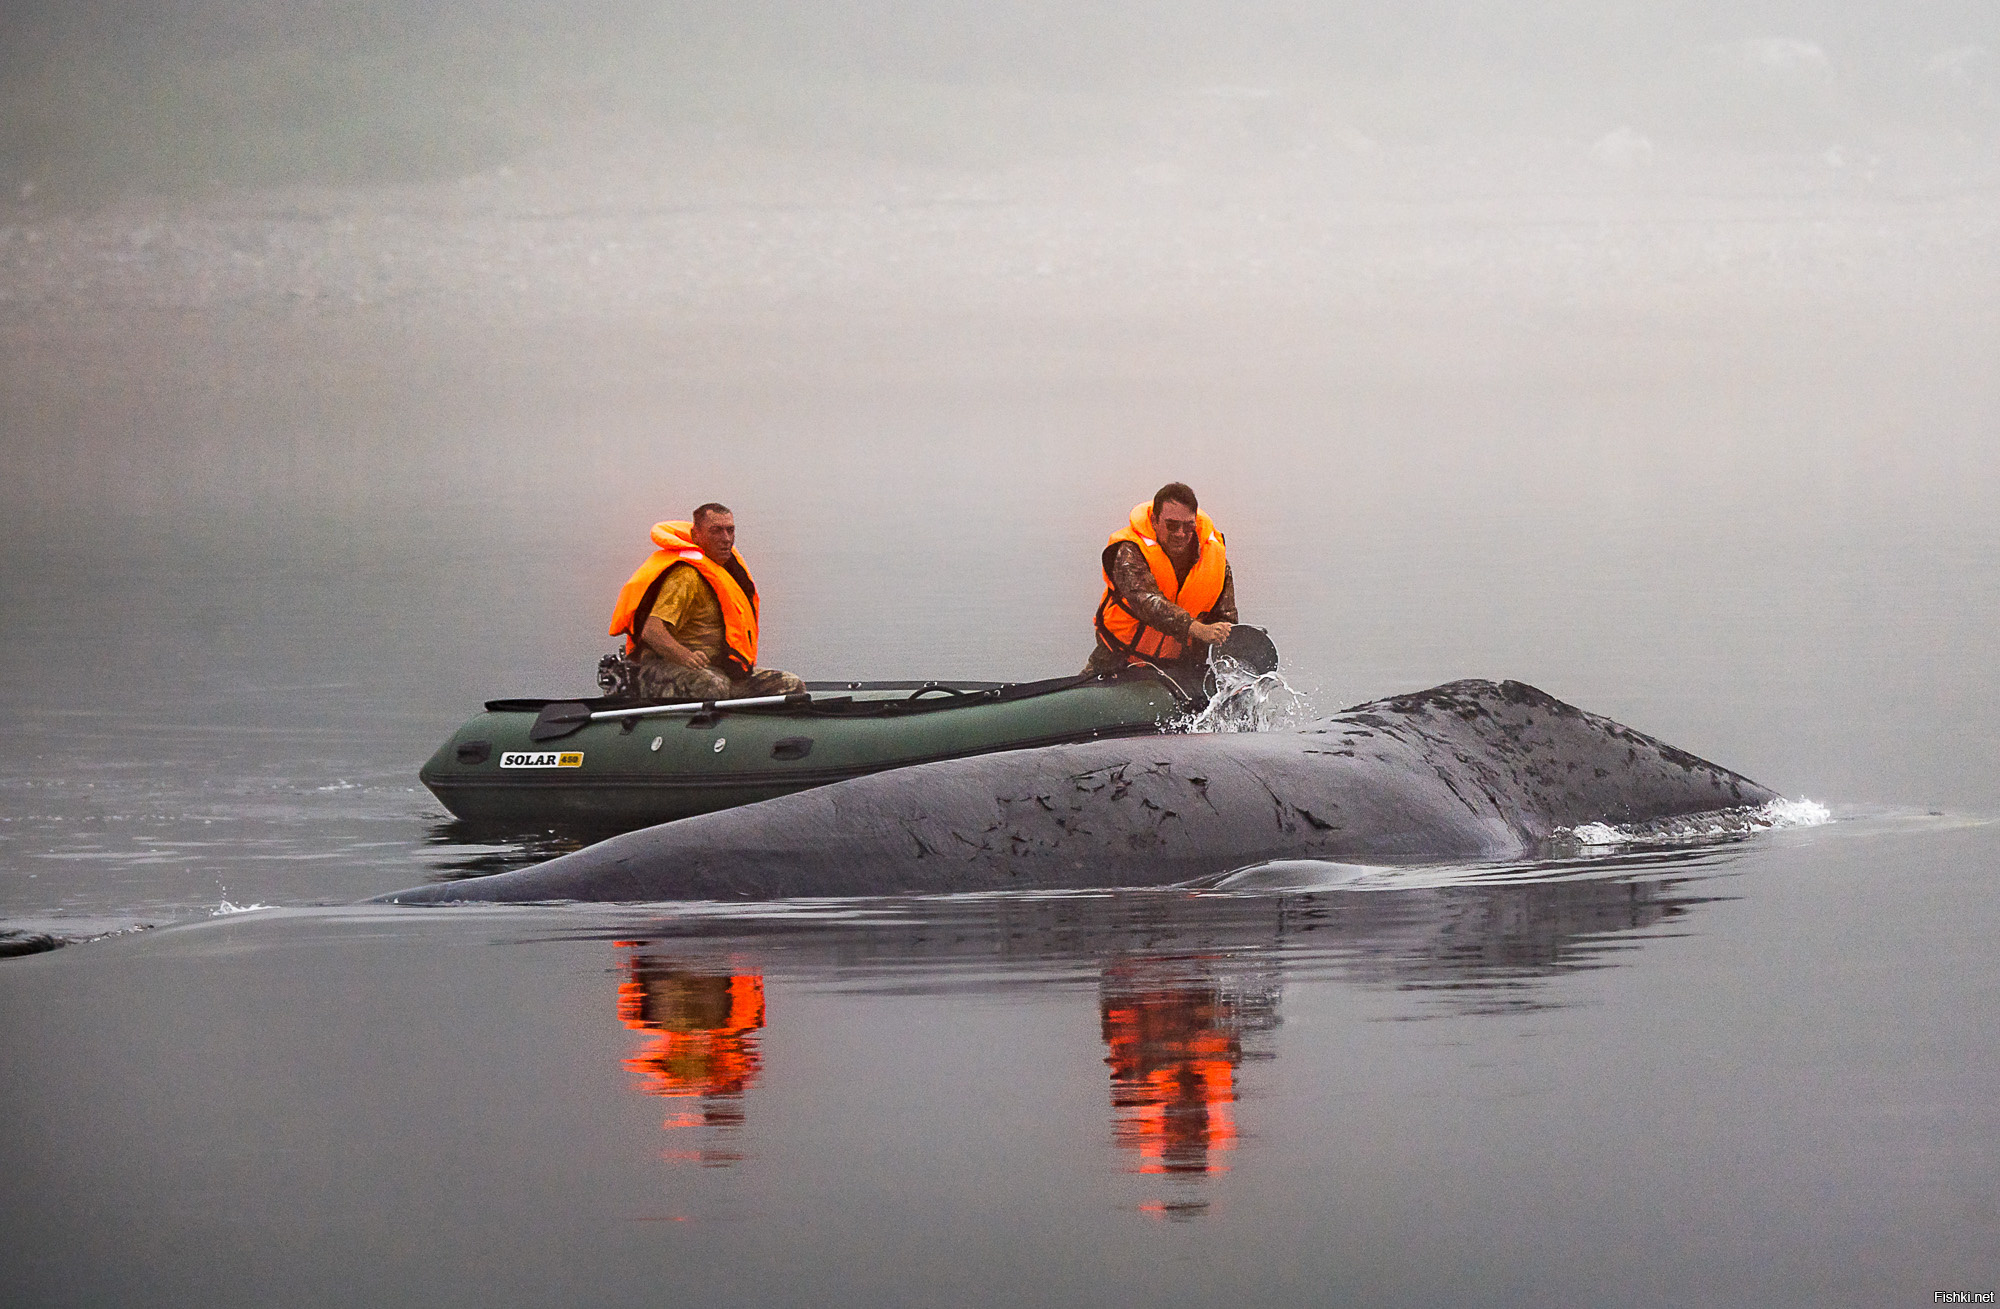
(1133, 578)
(659, 638)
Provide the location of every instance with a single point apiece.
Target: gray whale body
(1467, 771)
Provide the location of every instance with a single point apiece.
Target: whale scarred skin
(1468, 771)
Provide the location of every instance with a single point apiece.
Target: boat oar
(567, 716)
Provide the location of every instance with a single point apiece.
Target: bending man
(1168, 591)
(689, 616)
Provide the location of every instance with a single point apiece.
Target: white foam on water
(1245, 701)
(227, 907)
(1779, 813)
(1308, 875)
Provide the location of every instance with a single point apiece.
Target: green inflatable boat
(613, 764)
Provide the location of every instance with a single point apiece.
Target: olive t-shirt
(690, 610)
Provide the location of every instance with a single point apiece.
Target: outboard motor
(618, 677)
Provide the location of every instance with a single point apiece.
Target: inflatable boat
(613, 764)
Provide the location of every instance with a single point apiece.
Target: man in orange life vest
(689, 615)
(1168, 591)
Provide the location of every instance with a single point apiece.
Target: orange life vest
(1119, 628)
(738, 599)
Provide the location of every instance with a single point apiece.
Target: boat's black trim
(959, 694)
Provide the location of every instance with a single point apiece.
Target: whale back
(1543, 764)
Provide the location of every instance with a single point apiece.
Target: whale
(1470, 771)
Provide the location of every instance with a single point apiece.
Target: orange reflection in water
(701, 1041)
(1173, 1077)
(1175, 1039)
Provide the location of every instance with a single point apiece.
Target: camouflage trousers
(660, 680)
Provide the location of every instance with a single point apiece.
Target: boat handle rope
(938, 688)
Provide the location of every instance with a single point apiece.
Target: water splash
(1713, 825)
(1247, 701)
(226, 907)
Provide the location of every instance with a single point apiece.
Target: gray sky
(180, 94)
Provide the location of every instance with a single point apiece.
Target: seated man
(689, 616)
(1168, 591)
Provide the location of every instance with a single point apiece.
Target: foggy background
(1644, 352)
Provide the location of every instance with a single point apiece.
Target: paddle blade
(558, 720)
(1252, 647)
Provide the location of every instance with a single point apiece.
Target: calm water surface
(1618, 1084)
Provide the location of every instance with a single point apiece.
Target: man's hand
(1210, 633)
(656, 636)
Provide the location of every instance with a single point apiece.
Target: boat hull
(620, 773)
